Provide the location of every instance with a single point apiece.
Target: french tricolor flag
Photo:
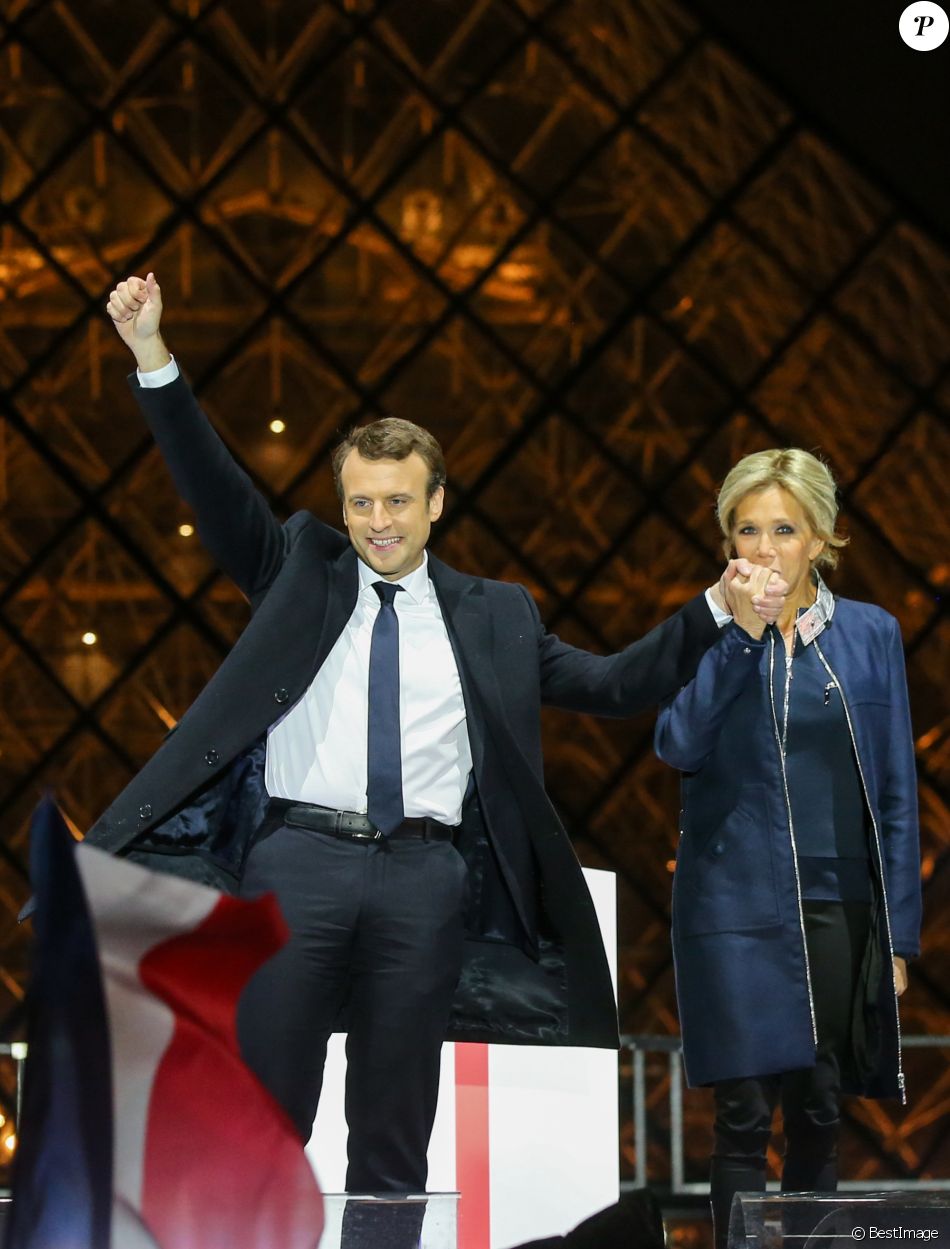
(141, 1126)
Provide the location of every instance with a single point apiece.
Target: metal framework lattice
(579, 241)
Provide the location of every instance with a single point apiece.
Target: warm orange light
(186, 530)
(89, 639)
(10, 1142)
(277, 426)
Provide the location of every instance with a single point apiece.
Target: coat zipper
(791, 832)
(880, 862)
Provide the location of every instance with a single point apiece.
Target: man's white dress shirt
(317, 751)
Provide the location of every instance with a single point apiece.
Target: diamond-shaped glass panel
(633, 208)
(88, 588)
(98, 49)
(892, 492)
(449, 47)
(715, 117)
(38, 306)
(649, 399)
(362, 116)
(901, 298)
(37, 712)
(813, 209)
(468, 394)
(34, 501)
(655, 570)
(279, 407)
(145, 708)
(590, 751)
(550, 303)
(828, 392)
(367, 305)
(147, 507)
(87, 227)
(874, 569)
(563, 502)
(79, 405)
(37, 121)
(275, 209)
(190, 117)
(455, 212)
(275, 47)
(551, 129)
(85, 776)
(732, 300)
(623, 47)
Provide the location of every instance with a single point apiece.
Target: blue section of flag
(62, 1180)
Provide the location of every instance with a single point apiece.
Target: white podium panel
(527, 1134)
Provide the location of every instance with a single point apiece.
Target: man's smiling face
(386, 511)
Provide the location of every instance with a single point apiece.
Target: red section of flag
(471, 1146)
(224, 1168)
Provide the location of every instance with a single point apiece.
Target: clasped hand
(753, 595)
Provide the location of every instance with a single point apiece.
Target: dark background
(602, 248)
(851, 74)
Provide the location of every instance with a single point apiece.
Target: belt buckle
(375, 835)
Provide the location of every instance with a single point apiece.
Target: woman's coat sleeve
(689, 724)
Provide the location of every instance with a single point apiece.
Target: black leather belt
(352, 826)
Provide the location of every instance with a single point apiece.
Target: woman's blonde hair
(806, 478)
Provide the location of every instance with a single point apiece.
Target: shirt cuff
(158, 377)
(721, 617)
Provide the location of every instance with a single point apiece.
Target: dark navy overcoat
(738, 937)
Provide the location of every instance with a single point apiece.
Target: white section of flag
(203, 1157)
(133, 910)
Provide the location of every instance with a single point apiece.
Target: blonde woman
(796, 898)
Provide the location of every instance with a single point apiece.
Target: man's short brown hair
(392, 438)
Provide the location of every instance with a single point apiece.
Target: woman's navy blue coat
(742, 977)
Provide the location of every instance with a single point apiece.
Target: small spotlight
(186, 530)
(277, 426)
(10, 1143)
(89, 639)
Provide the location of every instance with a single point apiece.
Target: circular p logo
(924, 26)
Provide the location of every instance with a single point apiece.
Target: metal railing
(640, 1046)
(17, 1051)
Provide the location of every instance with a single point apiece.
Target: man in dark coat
(370, 750)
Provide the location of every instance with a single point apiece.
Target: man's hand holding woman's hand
(136, 308)
(753, 595)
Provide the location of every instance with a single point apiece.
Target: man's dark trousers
(376, 927)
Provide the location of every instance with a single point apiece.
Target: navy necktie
(384, 763)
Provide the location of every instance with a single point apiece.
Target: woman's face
(771, 529)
